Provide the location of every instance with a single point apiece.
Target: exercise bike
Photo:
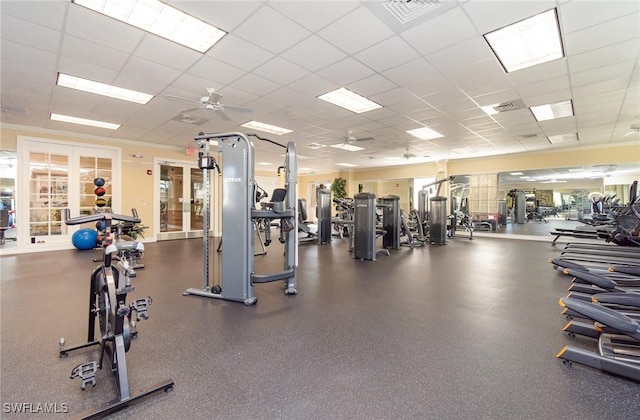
(107, 302)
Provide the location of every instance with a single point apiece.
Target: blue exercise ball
(85, 238)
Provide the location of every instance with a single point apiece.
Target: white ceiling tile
(281, 71)
(46, 13)
(613, 85)
(372, 85)
(236, 96)
(623, 51)
(313, 85)
(451, 95)
(410, 72)
(437, 33)
(314, 53)
(21, 53)
(457, 56)
(611, 32)
(604, 73)
(486, 85)
(27, 33)
(314, 15)
(356, 31)
(226, 15)
(386, 54)
(90, 52)
(103, 30)
(487, 16)
(346, 71)
(215, 70)
(549, 85)
(547, 98)
(288, 96)
(391, 97)
(141, 84)
(255, 84)
(86, 70)
(167, 53)
(470, 72)
(154, 72)
(549, 70)
(497, 97)
(239, 53)
(262, 106)
(579, 15)
(429, 86)
(271, 30)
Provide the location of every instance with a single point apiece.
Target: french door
(180, 200)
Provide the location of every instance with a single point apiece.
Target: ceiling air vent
(188, 119)
(525, 136)
(407, 10)
(509, 106)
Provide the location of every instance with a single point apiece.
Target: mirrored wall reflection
(8, 175)
(539, 200)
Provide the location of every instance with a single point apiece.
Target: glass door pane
(48, 193)
(92, 167)
(171, 198)
(197, 199)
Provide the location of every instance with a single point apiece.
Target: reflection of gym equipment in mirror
(239, 214)
(7, 215)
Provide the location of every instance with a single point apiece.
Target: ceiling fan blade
(190, 110)
(181, 99)
(364, 139)
(222, 115)
(237, 108)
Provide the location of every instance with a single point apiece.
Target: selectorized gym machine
(107, 304)
(238, 215)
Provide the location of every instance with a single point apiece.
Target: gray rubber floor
(463, 331)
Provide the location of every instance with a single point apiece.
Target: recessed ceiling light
(346, 164)
(267, 128)
(490, 109)
(83, 121)
(90, 86)
(532, 41)
(552, 111)
(160, 19)
(516, 173)
(563, 138)
(525, 177)
(349, 100)
(425, 133)
(347, 146)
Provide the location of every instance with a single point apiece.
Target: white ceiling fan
(212, 102)
(633, 129)
(350, 139)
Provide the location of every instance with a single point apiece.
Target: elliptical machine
(107, 302)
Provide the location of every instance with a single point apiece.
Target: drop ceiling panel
(93, 27)
(346, 71)
(46, 13)
(146, 69)
(410, 72)
(486, 86)
(216, 71)
(239, 53)
(356, 31)
(549, 70)
(314, 15)
(613, 71)
(489, 16)
(388, 53)
(271, 30)
(21, 53)
(616, 53)
(547, 98)
(613, 85)
(314, 53)
(281, 71)
(607, 33)
(470, 72)
(546, 86)
(27, 33)
(372, 85)
(166, 53)
(140, 84)
(460, 55)
(436, 34)
(226, 15)
(90, 52)
(575, 16)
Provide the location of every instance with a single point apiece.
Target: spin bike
(107, 302)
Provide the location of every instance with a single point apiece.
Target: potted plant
(339, 188)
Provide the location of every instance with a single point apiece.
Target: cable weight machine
(239, 214)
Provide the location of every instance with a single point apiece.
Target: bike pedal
(86, 372)
(141, 306)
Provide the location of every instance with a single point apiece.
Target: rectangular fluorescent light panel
(532, 41)
(267, 128)
(265, 163)
(347, 146)
(346, 164)
(90, 86)
(160, 19)
(552, 111)
(564, 138)
(349, 100)
(82, 121)
(516, 173)
(425, 133)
